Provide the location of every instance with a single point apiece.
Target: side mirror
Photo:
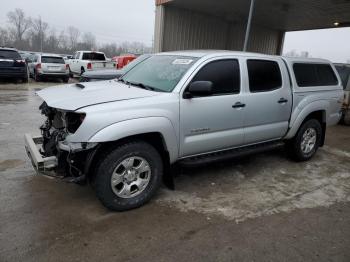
(28, 60)
(198, 89)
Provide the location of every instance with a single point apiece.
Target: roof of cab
(8, 48)
(202, 53)
(87, 51)
(213, 53)
(305, 60)
(51, 55)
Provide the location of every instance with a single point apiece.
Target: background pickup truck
(183, 107)
(84, 61)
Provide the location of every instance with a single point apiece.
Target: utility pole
(41, 42)
(249, 24)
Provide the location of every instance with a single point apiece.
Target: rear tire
(65, 79)
(346, 119)
(128, 176)
(306, 142)
(36, 77)
(26, 78)
(70, 73)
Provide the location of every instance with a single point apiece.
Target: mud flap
(169, 174)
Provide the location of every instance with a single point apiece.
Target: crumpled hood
(72, 97)
(103, 74)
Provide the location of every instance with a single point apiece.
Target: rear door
(268, 100)
(211, 123)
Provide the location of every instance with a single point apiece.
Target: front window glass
(160, 72)
(133, 63)
(224, 74)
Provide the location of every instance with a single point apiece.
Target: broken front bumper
(41, 164)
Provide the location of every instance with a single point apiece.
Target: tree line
(34, 34)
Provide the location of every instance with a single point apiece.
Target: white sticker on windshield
(182, 61)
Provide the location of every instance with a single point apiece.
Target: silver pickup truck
(125, 135)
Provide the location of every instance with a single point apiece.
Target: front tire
(36, 77)
(128, 176)
(306, 142)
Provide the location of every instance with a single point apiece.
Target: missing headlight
(73, 121)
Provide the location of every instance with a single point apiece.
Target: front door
(213, 122)
(74, 65)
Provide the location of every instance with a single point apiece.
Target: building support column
(249, 24)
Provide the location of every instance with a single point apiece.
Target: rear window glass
(9, 54)
(52, 60)
(308, 75)
(264, 75)
(94, 56)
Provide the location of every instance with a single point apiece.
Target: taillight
(67, 67)
(89, 66)
(38, 66)
(21, 61)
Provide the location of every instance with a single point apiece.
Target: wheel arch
(157, 131)
(155, 139)
(320, 115)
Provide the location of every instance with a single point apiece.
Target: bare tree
(52, 41)
(41, 38)
(4, 37)
(19, 24)
(88, 41)
(73, 37)
(39, 29)
(63, 42)
(110, 49)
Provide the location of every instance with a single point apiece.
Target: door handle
(238, 105)
(282, 101)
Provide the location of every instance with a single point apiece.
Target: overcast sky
(108, 20)
(332, 44)
(133, 20)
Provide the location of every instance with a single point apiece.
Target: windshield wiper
(122, 80)
(141, 85)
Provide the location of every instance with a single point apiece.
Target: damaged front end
(52, 154)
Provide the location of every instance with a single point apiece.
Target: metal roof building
(222, 24)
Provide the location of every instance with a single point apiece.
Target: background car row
(21, 65)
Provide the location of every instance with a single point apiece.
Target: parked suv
(344, 73)
(124, 135)
(12, 65)
(48, 66)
